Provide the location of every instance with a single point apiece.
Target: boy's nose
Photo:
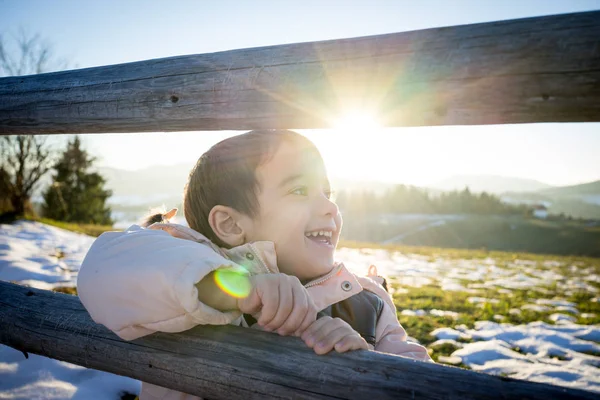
(327, 206)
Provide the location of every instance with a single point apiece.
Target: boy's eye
(329, 194)
(301, 191)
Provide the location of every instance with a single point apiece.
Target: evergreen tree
(77, 195)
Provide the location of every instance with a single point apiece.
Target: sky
(96, 33)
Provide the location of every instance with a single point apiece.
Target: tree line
(403, 199)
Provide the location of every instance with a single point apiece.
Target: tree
(25, 159)
(27, 54)
(77, 195)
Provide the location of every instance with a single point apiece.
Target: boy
(258, 202)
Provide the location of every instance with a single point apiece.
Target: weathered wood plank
(229, 362)
(544, 69)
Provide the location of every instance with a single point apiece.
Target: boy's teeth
(319, 233)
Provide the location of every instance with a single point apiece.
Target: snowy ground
(46, 257)
(562, 353)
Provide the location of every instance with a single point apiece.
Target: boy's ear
(224, 222)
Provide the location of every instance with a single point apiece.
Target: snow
(537, 351)
(31, 254)
(563, 353)
(562, 317)
(449, 333)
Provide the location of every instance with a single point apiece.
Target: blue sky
(94, 33)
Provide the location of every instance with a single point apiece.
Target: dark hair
(158, 215)
(225, 175)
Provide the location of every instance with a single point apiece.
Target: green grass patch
(87, 229)
(66, 290)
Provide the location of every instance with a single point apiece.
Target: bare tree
(27, 54)
(24, 158)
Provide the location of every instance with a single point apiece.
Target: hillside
(514, 233)
(489, 183)
(590, 188)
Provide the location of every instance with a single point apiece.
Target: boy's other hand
(283, 302)
(326, 334)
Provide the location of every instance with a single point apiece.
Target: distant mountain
(150, 181)
(489, 183)
(339, 184)
(591, 188)
(579, 201)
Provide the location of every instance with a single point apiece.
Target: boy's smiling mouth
(321, 236)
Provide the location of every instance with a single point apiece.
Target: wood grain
(543, 69)
(228, 362)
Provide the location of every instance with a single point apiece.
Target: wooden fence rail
(543, 69)
(227, 362)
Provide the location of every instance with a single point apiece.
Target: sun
(352, 137)
(356, 121)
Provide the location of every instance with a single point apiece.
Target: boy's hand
(327, 333)
(284, 304)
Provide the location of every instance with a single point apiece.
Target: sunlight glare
(356, 121)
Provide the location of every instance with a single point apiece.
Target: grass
(501, 233)
(433, 297)
(87, 229)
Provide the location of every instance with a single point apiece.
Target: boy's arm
(211, 295)
(390, 336)
(141, 281)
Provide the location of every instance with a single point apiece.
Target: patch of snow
(561, 317)
(28, 254)
(44, 378)
(450, 360)
(414, 313)
(569, 309)
(449, 333)
(556, 302)
(443, 313)
(479, 353)
(535, 307)
(46, 257)
(442, 342)
(482, 300)
(553, 352)
(552, 263)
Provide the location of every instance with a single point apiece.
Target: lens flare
(234, 281)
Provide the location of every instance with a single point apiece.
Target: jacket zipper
(325, 278)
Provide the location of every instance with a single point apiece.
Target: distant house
(540, 211)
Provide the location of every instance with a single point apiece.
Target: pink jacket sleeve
(390, 336)
(142, 281)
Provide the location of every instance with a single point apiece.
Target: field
(534, 317)
(520, 315)
(490, 232)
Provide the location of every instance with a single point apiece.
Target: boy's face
(294, 202)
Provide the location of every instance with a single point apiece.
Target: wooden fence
(228, 362)
(544, 69)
